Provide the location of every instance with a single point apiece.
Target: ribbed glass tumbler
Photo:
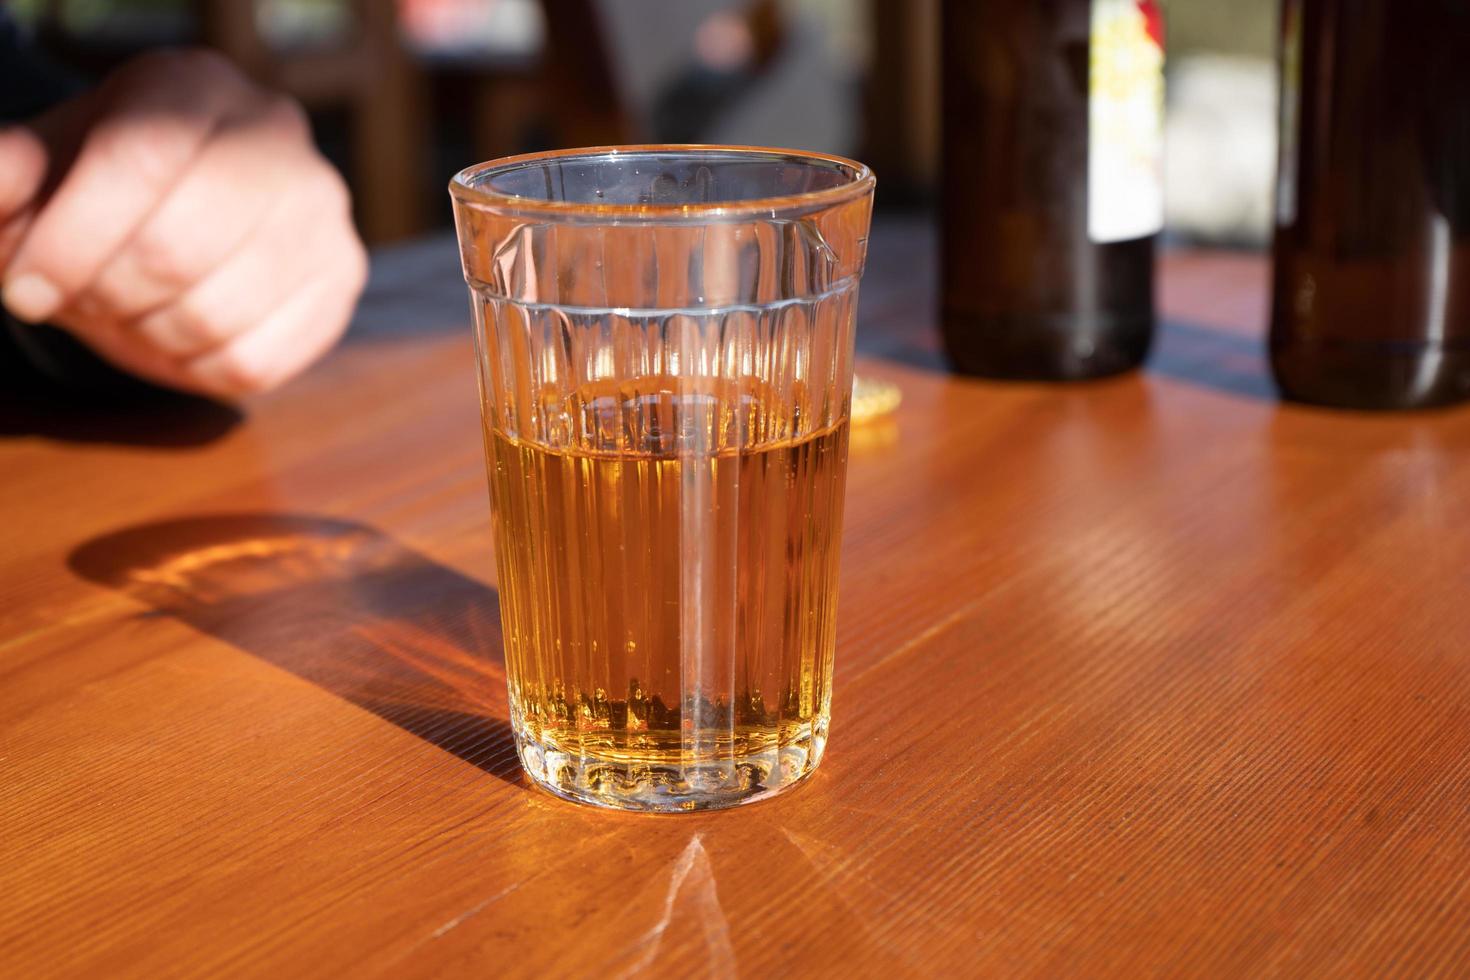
(665, 339)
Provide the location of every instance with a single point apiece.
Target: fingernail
(31, 297)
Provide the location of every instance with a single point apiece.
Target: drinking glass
(664, 336)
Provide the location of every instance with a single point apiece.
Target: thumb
(23, 165)
(33, 157)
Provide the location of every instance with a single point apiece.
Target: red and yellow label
(1125, 160)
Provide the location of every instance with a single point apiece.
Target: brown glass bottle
(1036, 283)
(1371, 299)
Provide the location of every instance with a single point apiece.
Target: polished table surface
(1150, 675)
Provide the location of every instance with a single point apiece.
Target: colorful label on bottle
(1125, 159)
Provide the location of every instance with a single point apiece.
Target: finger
(277, 259)
(283, 345)
(210, 215)
(32, 157)
(280, 347)
(23, 163)
(154, 116)
(230, 301)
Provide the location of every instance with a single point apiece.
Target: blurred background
(403, 93)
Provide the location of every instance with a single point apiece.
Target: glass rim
(464, 190)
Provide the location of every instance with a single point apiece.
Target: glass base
(615, 780)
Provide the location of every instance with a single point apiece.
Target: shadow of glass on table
(337, 603)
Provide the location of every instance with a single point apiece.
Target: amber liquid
(668, 586)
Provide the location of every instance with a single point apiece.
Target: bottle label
(1125, 146)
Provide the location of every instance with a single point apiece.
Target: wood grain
(1151, 675)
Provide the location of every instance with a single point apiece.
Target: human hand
(179, 221)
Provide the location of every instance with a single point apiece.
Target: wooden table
(1146, 676)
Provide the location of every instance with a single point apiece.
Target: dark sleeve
(29, 82)
(40, 355)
